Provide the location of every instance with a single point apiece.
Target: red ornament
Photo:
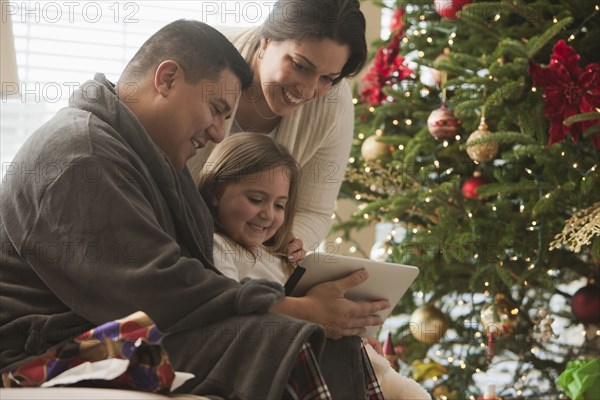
(568, 90)
(585, 304)
(469, 187)
(442, 123)
(449, 8)
(388, 346)
(390, 352)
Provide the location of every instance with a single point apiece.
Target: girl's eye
(280, 206)
(255, 200)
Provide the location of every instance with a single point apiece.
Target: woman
(300, 56)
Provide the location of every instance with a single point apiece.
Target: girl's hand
(374, 343)
(295, 250)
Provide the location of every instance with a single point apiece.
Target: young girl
(250, 186)
(249, 183)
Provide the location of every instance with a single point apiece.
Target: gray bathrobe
(95, 224)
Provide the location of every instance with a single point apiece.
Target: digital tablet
(387, 281)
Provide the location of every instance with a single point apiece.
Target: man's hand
(326, 305)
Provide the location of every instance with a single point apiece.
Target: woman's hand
(326, 305)
(295, 250)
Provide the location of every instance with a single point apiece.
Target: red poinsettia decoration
(388, 67)
(397, 23)
(568, 90)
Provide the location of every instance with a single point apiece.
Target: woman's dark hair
(338, 20)
(200, 50)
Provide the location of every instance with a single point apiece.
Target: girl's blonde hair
(239, 156)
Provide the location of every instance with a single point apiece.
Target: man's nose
(217, 131)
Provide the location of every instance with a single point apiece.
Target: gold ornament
(423, 370)
(483, 151)
(499, 319)
(428, 324)
(579, 229)
(373, 149)
(442, 392)
(442, 123)
(440, 76)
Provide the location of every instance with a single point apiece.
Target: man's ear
(166, 74)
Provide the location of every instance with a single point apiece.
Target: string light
(371, 109)
(497, 18)
(408, 122)
(355, 101)
(395, 122)
(361, 135)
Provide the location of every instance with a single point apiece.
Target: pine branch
(539, 42)
(522, 9)
(491, 189)
(582, 117)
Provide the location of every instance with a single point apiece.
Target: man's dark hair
(200, 50)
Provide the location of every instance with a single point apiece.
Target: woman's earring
(261, 53)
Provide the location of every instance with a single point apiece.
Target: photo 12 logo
(71, 11)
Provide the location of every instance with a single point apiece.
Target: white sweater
(319, 136)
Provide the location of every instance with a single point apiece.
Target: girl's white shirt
(237, 263)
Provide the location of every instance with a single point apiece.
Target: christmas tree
(478, 134)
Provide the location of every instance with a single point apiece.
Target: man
(100, 218)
